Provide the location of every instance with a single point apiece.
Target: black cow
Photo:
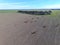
(42, 13)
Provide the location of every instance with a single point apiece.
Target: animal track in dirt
(37, 17)
(29, 16)
(57, 25)
(31, 21)
(32, 18)
(35, 20)
(44, 26)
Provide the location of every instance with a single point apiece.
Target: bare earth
(22, 29)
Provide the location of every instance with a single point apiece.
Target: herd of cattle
(36, 12)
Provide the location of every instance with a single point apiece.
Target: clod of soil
(25, 21)
(33, 32)
(44, 26)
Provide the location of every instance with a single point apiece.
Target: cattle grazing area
(36, 12)
(29, 29)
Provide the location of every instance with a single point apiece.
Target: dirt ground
(24, 29)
